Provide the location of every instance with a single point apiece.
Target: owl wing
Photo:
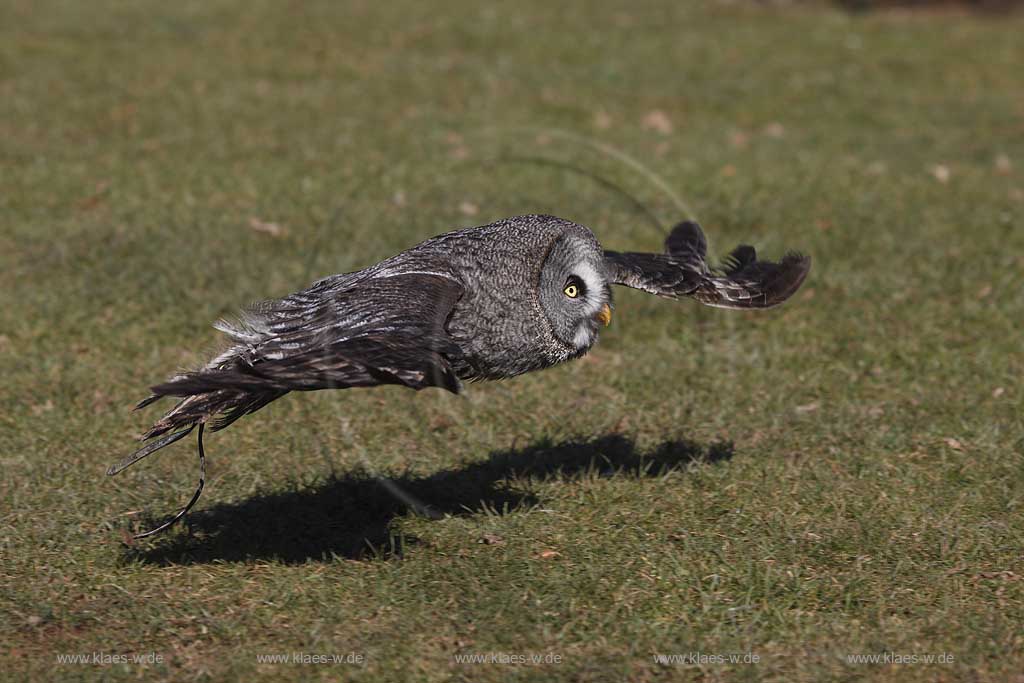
(742, 282)
(384, 329)
(344, 331)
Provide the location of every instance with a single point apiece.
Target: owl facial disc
(574, 293)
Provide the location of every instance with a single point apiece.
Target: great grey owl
(490, 302)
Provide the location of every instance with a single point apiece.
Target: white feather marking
(250, 327)
(395, 272)
(595, 287)
(227, 355)
(583, 336)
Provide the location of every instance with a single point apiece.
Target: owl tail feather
(198, 404)
(191, 410)
(199, 488)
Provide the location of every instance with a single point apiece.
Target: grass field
(840, 476)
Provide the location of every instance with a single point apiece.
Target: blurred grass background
(842, 475)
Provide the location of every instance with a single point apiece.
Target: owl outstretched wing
(741, 282)
(341, 332)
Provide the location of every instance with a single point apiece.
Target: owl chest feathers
(498, 323)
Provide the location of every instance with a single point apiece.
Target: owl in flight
(491, 302)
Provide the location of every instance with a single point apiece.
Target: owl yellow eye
(571, 291)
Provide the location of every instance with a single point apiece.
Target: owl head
(573, 289)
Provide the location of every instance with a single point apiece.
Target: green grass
(842, 475)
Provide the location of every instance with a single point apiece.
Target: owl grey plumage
(491, 302)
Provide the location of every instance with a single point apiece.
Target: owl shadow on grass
(350, 516)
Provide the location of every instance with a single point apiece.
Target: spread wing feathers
(334, 335)
(741, 282)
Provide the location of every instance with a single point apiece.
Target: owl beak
(604, 316)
